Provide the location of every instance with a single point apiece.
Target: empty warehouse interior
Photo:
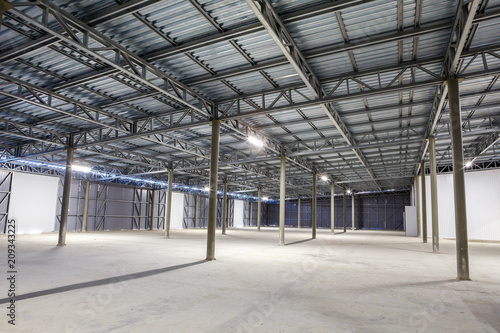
(250, 166)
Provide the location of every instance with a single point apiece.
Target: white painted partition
(411, 221)
(177, 212)
(483, 205)
(33, 203)
(238, 213)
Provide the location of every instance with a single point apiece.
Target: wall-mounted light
(256, 141)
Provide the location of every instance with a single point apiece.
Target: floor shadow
(300, 241)
(95, 283)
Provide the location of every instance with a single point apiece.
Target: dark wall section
(113, 207)
(384, 212)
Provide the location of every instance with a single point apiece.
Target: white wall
(238, 213)
(177, 211)
(483, 205)
(33, 203)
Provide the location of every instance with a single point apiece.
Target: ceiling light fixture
(324, 178)
(256, 141)
(81, 168)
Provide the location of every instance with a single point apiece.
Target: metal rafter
(278, 32)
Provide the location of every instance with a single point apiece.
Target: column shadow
(100, 282)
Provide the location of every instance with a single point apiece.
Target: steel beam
(352, 208)
(66, 197)
(250, 222)
(314, 205)
(224, 209)
(196, 204)
(4, 6)
(298, 213)
(259, 208)
(462, 246)
(345, 211)
(434, 195)
(282, 200)
(169, 203)
(85, 217)
(152, 214)
(332, 206)
(266, 14)
(212, 202)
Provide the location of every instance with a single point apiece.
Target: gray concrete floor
(362, 281)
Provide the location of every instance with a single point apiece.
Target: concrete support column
(224, 209)
(212, 203)
(169, 203)
(298, 215)
(282, 200)
(332, 206)
(152, 215)
(458, 181)
(345, 212)
(314, 205)
(424, 203)
(259, 208)
(85, 218)
(434, 198)
(65, 197)
(352, 226)
(419, 218)
(196, 203)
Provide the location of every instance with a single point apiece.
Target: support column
(314, 204)
(282, 200)
(419, 219)
(152, 217)
(458, 181)
(352, 226)
(212, 202)
(434, 199)
(65, 197)
(259, 207)
(85, 218)
(169, 203)
(345, 213)
(332, 206)
(250, 203)
(196, 202)
(4, 6)
(424, 203)
(298, 215)
(224, 209)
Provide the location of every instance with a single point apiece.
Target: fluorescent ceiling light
(255, 141)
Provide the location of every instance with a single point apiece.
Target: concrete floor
(362, 281)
